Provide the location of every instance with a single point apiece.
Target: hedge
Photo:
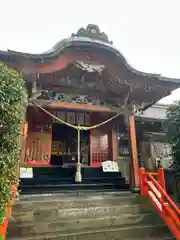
(12, 109)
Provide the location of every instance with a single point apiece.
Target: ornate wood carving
(81, 82)
(92, 31)
(80, 99)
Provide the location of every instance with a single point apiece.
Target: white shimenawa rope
(74, 126)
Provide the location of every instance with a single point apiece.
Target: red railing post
(4, 225)
(142, 181)
(161, 177)
(3, 229)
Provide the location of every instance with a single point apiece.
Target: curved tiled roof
(83, 38)
(59, 47)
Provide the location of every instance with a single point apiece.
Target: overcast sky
(147, 32)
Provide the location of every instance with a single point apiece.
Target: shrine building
(83, 82)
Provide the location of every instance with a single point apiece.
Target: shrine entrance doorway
(64, 146)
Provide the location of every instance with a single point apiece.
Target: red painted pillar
(134, 160)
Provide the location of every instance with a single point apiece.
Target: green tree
(173, 137)
(12, 108)
(173, 134)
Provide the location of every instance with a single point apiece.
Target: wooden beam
(54, 104)
(134, 162)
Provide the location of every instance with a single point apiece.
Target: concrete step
(120, 233)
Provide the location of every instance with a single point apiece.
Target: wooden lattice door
(99, 147)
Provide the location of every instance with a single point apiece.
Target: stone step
(70, 205)
(69, 172)
(77, 200)
(50, 188)
(84, 194)
(120, 233)
(154, 238)
(45, 179)
(53, 207)
(78, 214)
(54, 212)
(66, 225)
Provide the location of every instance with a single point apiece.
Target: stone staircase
(85, 215)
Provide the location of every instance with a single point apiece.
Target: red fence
(153, 186)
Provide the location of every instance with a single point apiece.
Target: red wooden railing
(4, 225)
(153, 186)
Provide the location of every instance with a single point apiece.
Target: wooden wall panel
(24, 131)
(39, 138)
(38, 149)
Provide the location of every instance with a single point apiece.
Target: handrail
(173, 213)
(155, 190)
(165, 194)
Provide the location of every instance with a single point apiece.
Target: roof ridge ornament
(92, 31)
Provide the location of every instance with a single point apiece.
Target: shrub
(12, 110)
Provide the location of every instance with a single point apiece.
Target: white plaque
(110, 166)
(26, 173)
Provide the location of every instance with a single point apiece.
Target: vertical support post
(114, 142)
(110, 141)
(78, 177)
(131, 174)
(135, 164)
(90, 143)
(24, 132)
